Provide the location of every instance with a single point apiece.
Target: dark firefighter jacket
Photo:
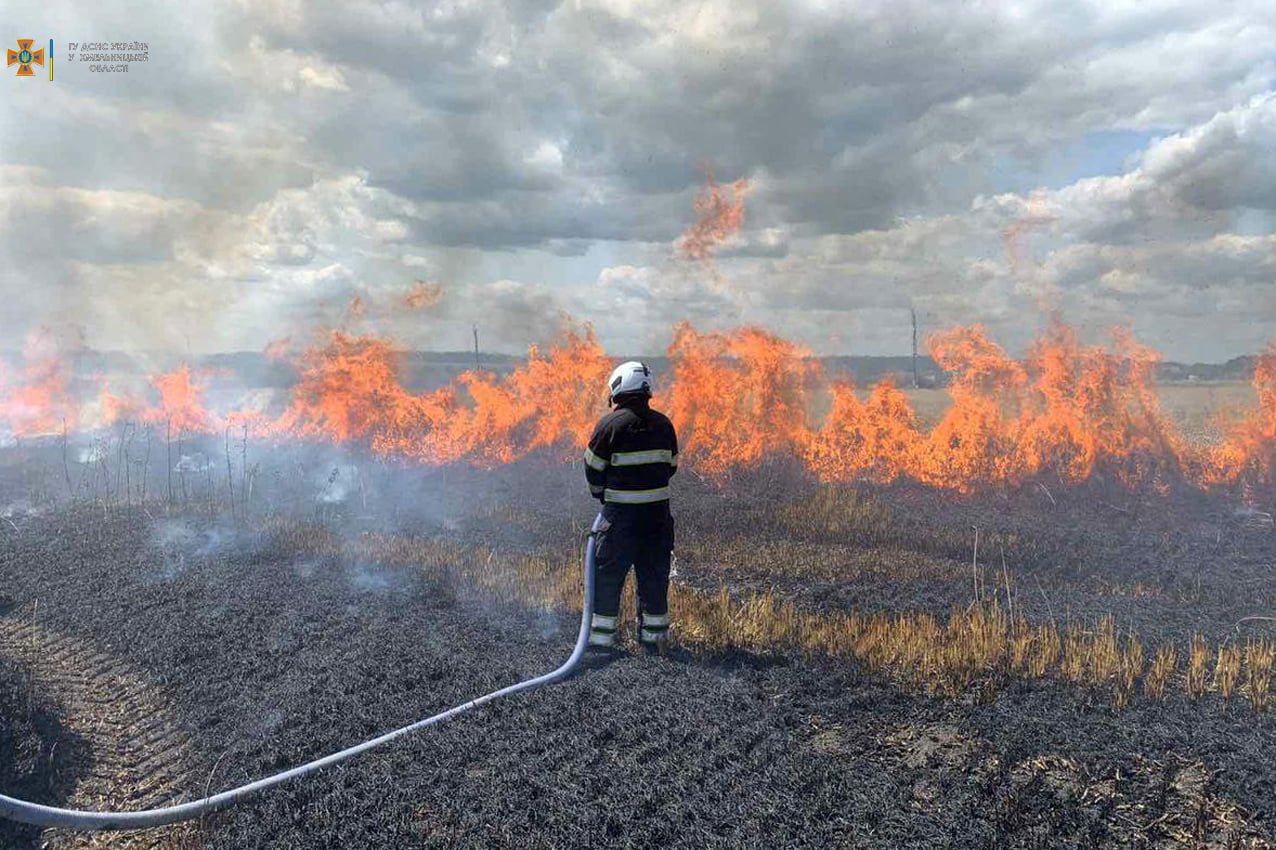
(632, 455)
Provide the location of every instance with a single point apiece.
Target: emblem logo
(24, 57)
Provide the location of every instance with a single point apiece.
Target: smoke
(337, 485)
(93, 453)
(19, 508)
(193, 463)
(510, 314)
(376, 579)
(306, 569)
(185, 544)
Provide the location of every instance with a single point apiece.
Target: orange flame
(717, 218)
(1066, 411)
(551, 401)
(351, 389)
(974, 442)
(37, 398)
(348, 390)
(738, 397)
(277, 349)
(1017, 232)
(423, 295)
(875, 439)
(181, 404)
(1248, 450)
(114, 407)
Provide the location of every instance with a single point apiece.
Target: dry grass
(1131, 667)
(1197, 662)
(1046, 648)
(1105, 653)
(1072, 668)
(974, 649)
(1227, 669)
(1021, 647)
(1259, 655)
(1164, 665)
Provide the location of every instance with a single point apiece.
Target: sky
(1107, 163)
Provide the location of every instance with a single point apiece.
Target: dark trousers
(633, 535)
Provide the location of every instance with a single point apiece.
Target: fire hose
(51, 816)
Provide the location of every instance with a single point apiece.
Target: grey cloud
(277, 157)
(637, 305)
(1217, 262)
(855, 117)
(764, 242)
(1188, 185)
(1223, 164)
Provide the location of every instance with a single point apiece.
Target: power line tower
(476, 354)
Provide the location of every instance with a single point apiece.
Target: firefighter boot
(653, 633)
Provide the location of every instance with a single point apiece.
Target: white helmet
(631, 377)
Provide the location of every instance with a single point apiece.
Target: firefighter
(628, 464)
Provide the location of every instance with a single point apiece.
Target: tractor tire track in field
(139, 755)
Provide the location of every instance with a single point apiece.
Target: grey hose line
(51, 816)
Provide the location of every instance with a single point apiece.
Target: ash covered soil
(1165, 565)
(236, 657)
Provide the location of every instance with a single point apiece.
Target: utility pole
(913, 312)
(476, 354)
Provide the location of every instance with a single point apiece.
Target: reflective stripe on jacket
(632, 455)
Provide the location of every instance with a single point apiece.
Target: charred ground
(222, 649)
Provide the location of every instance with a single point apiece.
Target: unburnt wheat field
(1034, 608)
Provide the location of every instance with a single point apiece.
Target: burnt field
(852, 668)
